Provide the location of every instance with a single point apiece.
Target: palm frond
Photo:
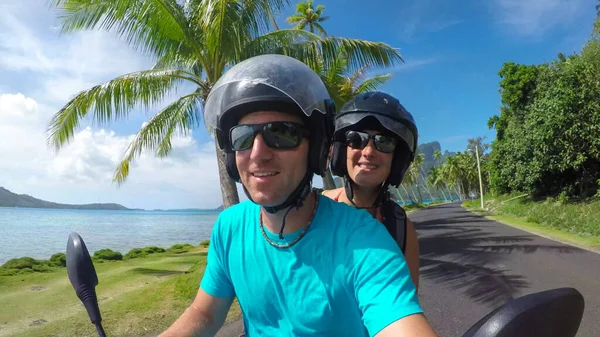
(360, 52)
(179, 117)
(152, 26)
(311, 48)
(357, 75)
(113, 100)
(374, 83)
(302, 7)
(228, 24)
(294, 18)
(278, 42)
(319, 28)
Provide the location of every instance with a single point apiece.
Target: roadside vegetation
(139, 293)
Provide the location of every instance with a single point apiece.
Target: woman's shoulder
(333, 194)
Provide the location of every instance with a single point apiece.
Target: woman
(375, 140)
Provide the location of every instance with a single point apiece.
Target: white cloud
(39, 71)
(535, 17)
(82, 171)
(425, 16)
(412, 64)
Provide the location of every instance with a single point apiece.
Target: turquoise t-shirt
(345, 274)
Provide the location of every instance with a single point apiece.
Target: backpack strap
(395, 221)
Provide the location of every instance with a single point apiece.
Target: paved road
(471, 265)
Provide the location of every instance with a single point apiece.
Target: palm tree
(193, 43)
(437, 155)
(451, 172)
(306, 15)
(408, 181)
(412, 176)
(341, 82)
(435, 179)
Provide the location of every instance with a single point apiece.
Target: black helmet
(276, 83)
(380, 111)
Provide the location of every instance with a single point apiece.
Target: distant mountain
(220, 208)
(10, 199)
(428, 149)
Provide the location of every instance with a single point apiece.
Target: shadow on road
(466, 251)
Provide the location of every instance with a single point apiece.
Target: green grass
(576, 223)
(414, 207)
(137, 297)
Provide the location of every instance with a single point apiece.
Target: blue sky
(453, 52)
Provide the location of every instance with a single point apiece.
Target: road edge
(545, 232)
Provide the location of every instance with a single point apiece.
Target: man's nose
(260, 150)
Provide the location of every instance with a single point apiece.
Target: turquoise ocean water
(39, 233)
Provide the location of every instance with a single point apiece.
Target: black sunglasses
(359, 140)
(277, 135)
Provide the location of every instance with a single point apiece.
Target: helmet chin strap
(379, 200)
(294, 200)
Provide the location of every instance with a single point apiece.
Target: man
(299, 263)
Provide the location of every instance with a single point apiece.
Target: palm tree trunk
(401, 199)
(449, 192)
(229, 191)
(407, 194)
(419, 190)
(459, 190)
(395, 194)
(443, 194)
(272, 19)
(426, 184)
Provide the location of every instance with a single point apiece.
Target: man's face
(271, 175)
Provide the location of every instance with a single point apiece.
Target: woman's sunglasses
(358, 140)
(277, 135)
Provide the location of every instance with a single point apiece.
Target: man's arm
(381, 280)
(414, 325)
(204, 317)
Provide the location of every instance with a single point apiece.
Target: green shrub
(8, 272)
(204, 243)
(107, 254)
(21, 263)
(42, 268)
(135, 253)
(58, 260)
(153, 249)
(180, 248)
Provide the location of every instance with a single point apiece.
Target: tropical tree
(193, 44)
(413, 174)
(341, 80)
(435, 179)
(437, 155)
(307, 16)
